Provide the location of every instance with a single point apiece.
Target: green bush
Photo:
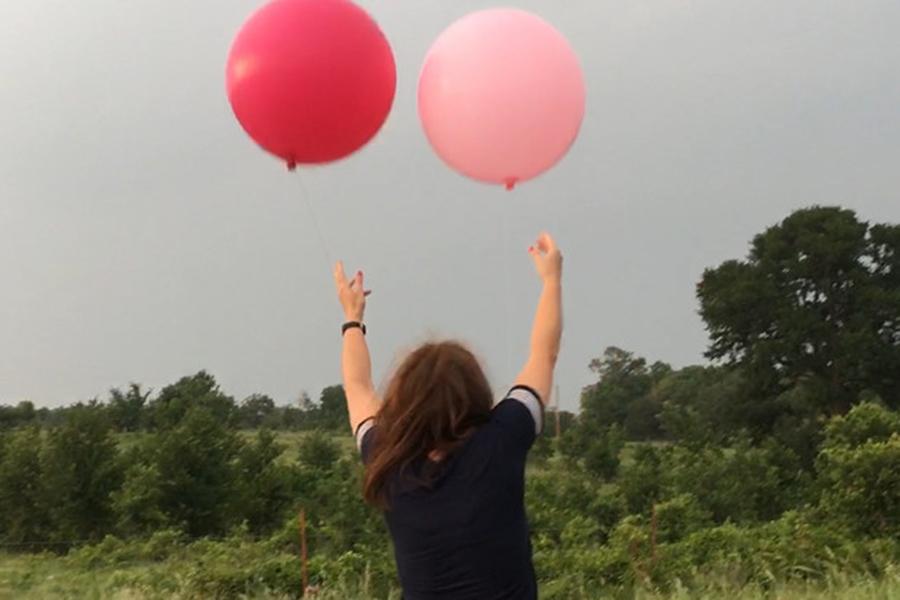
(163, 544)
(861, 486)
(642, 479)
(556, 497)
(24, 519)
(594, 448)
(679, 517)
(542, 449)
(318, 451)
(743, 483)
(265, 487)
(81, 471)
(867, 422)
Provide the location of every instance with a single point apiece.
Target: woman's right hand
(547, 259)
(351, 293)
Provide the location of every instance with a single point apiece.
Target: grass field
(50, 577)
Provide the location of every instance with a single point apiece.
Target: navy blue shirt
(466, 535)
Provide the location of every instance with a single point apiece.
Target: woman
(445, 465)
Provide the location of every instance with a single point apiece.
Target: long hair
(436, 399)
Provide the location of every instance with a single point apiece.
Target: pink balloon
(501, 96)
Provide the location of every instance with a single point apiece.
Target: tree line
(136, 409)
(184, 465)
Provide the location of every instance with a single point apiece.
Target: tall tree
(700, 404)
(265, 485)
(23, 515)
(196, 466)
(196, 391)
(255, 410)
(817, 303)
(21, 414)
(81, 471)
(127, 408)
(333, 408)
(622, 394)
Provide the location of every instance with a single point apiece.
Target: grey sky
(144, 237)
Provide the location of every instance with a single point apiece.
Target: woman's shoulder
(518, 418)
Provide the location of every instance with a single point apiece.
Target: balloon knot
(511, 183)
(292, 165)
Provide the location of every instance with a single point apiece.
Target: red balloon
(311, 81)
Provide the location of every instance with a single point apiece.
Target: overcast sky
(143, 237)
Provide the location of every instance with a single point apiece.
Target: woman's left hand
(351, 293)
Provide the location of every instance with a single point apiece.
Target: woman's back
(466, 535)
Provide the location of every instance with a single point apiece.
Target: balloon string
(506, 291)
(315, 221)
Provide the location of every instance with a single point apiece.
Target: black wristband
(351, 325)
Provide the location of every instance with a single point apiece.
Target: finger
(542, 243)
(549, 242)
(360, 277)
(339, 276)
(367, 293)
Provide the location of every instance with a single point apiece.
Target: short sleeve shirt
(466, 535)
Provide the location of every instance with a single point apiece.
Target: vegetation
(770, 472)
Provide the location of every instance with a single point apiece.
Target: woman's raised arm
(356, 366)
(547, 329)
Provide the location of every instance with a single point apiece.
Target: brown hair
(435, 400)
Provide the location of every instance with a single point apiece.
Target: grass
(50, 577)
(290, 440)
(840, 588)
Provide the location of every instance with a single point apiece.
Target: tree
(333, 408)
(255, 410)
(862, 486)
(196, 391)
(138, 503)
(743, 483)
(196, 465)
(816, 300)
(594, 447)
(318, 451)
(266, 487)
(304, 402)
(865, 422)
(81, 471)
(621, 396)
(700, 404)
(23, 514)
(858, 470)
(642, 418)
(14, 416)
(641, 480)
(127, 408)
(601, 458)
(291, 418)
